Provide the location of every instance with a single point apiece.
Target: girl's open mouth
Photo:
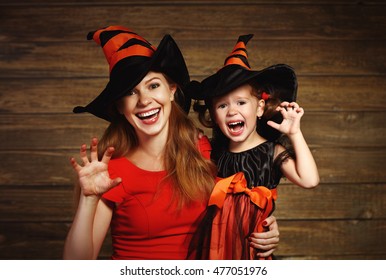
(236, 126)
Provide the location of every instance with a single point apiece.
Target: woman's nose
(144, 99)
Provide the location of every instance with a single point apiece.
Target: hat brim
(280, 76)
(129, 72)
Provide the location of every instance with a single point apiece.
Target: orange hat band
(238, 61)
(119, 42)
(135, 50)
(96, 34)
(113, 46)
(239, 55)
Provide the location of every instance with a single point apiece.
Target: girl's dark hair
(220, 142)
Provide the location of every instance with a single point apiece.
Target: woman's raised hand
(93, 175)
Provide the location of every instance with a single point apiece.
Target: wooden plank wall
(338, 49)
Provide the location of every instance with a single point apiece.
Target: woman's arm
(88, 229)
(266, 242)
(93, 214)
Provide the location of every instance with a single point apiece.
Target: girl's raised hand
(292, 113)
(93, 175)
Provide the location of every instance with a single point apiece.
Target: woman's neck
(149, 154)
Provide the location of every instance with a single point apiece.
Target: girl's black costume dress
(242, 198)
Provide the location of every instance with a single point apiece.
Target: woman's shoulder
(204, 146)
(118, 162)
(121, 167)
(117, 167)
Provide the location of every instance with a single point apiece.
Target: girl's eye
(241, 102)
(221, 106)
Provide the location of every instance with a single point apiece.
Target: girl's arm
(303, 170)
(93, 215)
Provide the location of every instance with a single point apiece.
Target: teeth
(235, 123)
(149, 113)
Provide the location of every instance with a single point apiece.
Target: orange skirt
(234, 213)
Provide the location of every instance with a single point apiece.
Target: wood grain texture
(299, 240)
(327, 202)
(204, 57)
(69, 131)
(320, 21)
(337, 48)
(333, 239)
(329, 94)
(344, 165)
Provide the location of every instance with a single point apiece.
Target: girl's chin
(232, 133)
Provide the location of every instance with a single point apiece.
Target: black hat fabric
(237, 71)
(130, 58)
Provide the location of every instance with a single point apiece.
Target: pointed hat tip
(245, 38)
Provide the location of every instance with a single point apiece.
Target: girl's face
(236, 114)
(147, 107)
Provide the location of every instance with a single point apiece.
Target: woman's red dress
(145, 223)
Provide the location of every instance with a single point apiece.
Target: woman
(146, 193)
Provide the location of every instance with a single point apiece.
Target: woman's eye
(130, 92)
(154, 85)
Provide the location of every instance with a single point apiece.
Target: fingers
(264, 244)
(83, 154)
(273, 124)
(271, 223)
(265, 254)
(265, 238)
(107, 155)
(75, 165)
(94, 149)
(288, 107)
(115, 182)
(264, 250)
(272, 231)
(93, 154)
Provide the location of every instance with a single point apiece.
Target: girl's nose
(232, 110)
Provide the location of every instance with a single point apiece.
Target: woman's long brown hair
(191, 174)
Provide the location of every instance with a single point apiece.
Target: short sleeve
(118, 193)
(204, 146)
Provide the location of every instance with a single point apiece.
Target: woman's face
(147, 107)
(235, 113)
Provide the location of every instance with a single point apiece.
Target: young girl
(139, 184)
(248, 111)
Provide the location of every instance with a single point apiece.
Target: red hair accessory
(265, 96)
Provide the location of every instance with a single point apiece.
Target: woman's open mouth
(149, 116)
